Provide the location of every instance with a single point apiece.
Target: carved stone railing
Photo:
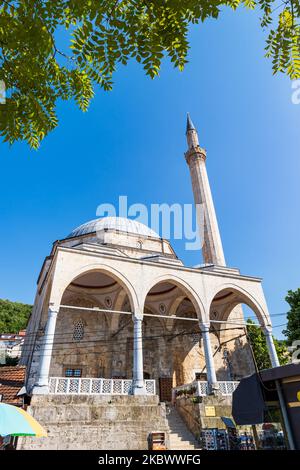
(95, 386)
(200, 388)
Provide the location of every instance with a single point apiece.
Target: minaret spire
(189, 123)
(212, 249)
(191, 133)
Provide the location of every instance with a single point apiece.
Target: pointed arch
(238, 295)
(189, 292)
(59, 287)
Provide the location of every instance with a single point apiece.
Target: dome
(116, 223)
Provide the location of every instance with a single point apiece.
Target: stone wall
(95, 422)
(195, 414)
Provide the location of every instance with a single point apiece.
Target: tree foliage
(10, 361)
(97, 36)
(293, 326)
(260, 350)
(13, 316)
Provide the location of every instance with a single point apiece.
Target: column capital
(204, 326)
(137, 315)
(267, 329)
(53, 310)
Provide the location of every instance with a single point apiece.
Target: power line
(106, 342)
(236, 321)
(56, 352)
(112, 339)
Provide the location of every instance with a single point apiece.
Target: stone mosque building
(117, 314)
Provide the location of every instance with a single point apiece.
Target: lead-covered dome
(116, 223)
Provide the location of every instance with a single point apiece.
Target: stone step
(184, 447)
(181, 432)
(183, 437)
(180, 436)
(181, 441)
(179, 428)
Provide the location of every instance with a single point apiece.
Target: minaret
(195, 156)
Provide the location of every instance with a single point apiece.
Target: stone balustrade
(201, 388)
(95, 386)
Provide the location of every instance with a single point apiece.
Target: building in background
(11, 345)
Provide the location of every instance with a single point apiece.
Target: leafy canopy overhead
(101, 34)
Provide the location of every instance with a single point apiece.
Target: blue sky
(131, 142)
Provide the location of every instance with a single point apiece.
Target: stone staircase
(95, 422)
(180, 436)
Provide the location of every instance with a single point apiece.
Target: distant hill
(13, 316)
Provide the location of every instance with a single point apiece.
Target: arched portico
(59, 285)
(226, 313)
(185, 289)
(143, 294)
(91, 295)
(179, 306)
(232, 295)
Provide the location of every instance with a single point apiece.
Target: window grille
(78, 331)
(73, 372)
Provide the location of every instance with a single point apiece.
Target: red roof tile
(12, 379)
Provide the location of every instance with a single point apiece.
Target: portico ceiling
(94, 280)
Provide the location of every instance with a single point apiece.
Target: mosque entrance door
(165, 389)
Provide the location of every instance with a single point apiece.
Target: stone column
(42, 384)
(271, 346)
(138, 366)
(209, 360)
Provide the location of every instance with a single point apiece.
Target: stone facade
(99, 423)
(195, 414)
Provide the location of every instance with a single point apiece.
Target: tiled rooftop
(12, 379)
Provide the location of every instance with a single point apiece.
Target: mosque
(117, 313)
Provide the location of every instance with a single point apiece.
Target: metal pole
(285, 416)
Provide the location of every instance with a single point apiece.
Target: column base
(139, 390)
(40, 390)
(213, 389)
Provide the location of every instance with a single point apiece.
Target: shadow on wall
(237, 359)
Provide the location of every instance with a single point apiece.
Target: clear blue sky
(131, 142)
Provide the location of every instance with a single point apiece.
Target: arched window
(78, 330)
